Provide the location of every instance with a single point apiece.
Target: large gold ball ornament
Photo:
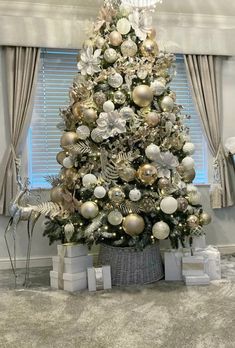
(161, 230)
(167, 104)
(152, 119)
(142, 95)
(193, 221)
(182, 204)
(110, 55)
(57, 194)
(129, 48)
(133, 224)
(115, 38)
(60, 157)
(116, 195)
(147, 173)
(69, 138)
(89, 115)
(149, 47)
(205, 218)
(89, 210)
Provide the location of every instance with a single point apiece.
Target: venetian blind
(58, 68)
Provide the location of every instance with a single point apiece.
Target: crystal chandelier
(141, 3)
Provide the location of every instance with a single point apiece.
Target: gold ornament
(182, 203)
(60, 157)
(127, 173)
(193, 221)
(89, 115)
(149, 47)
(152, 34)
(99, 42)
(133, 224)
(119, 97)
(142, 95)
(164, 183)
(99, 98)
(115, 38)
(205, 218)
(115, 218)
(116, 195)
(129, 48)
(181, 170)
(76, 110)
(167, 104)
(152, 119)
(89, 210)
(147, 173)
(70, 174)
(57, 194)
(69, 138)
(161, 230)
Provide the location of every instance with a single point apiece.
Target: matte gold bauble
(149, 47)
(182, 204)
(147, 173)
(189, 175)
(89, 210)
(68, 138)
(60, 157)
(99, 42)
(152, 119)
(89, 115)
(76, 110)
(163, 183)
(127, 174)
(133, 224)
(115, 218)
(142, 95)
(205, 218)
(57, 194)
(167, 104)
(70, 174)
(116, 195)
(115, 38)
(192, 221)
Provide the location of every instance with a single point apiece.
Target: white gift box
(99, 278)
(202, 279)
(72, 282)
(212, 261)
(199, 242)
(173, 265)
(72, 250)
(73, 264)
(193, 265)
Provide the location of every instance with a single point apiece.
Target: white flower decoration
(141, 22)
(110, 124)
(166, 162)
(89, 62)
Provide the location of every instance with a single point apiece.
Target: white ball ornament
(83, 132)
(189, 148)
(99, 192)
(127, 113)
(158, 87)
(115, 80)
(110, 55)
(129, 48)
(194, 198)
(67, 162)
(169, 205)
(123, 26)
(115, 218)
(135, 195)
(108, 106)
(89, 210)
(188, 162)
(152, 152)
(89, 180)
(161, 230)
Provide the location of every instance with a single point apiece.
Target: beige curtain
(204, 73)
(21, 66)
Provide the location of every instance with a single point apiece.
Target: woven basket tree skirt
(129, 266)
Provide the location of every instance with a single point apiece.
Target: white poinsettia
(165, 163)
(89, 63)
(110, 124)
(141, 22)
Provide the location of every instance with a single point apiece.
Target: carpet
(167, 315)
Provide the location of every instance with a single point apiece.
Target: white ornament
(123, 26)
(168, 205)
(188, 162)
(83, 132)
(135, 195)
(110, 55)
(194, 198)
(158, 87)
(127, 113)
(108, 106)
(67, 162)
(115, 80)
(89, 180)
(115, 218)
(99, 192)
(152, 152)
(189, 148)
(69, 231)
(161, 230)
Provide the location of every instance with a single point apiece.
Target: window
(58, 68)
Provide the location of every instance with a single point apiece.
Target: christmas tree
(127, 171)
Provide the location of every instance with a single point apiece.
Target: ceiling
(208, 7)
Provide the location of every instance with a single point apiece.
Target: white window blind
(58, 68)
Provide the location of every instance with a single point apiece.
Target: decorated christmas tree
(127, 171)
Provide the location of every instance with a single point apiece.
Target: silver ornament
(167, 104)
(89, 210)
(115, 80)
(158, 87)
(83, 132)
(119, 97)
(161, 230)
(108, 106)
(142, 73)
(110, 55)
(99, 192)
(68, 163)
(69, 231)
(96, 136)
(127, 113)
(89, 180)
(152, 152)
(135, 195)
(129, 48)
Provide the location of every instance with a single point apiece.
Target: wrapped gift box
(72, 250)
(212, 261)
(173, 265)
(71, 282)
(193, 265)
(73, 264)
(99, 278)
(202, 279)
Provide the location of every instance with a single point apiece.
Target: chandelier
(141, 3)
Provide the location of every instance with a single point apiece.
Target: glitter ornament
(142, 95)
(163, 183)
(88, 180)
(123, 26)
(119, 97)
(204, 218)
(99, 98)
(194, 198)
(133, 224)
(83, 132)
(127, 113)
(127, 173)
(89, 115)
(115, 218)
(189, 148)
(167, 104)
(115, 38)
(168, 205)
(142, 73)
(152, 119)
(188, 162)
(99, 192)
(182, 204)
(96, 136)
(68, 162)
(158, 87)
(129, 48)
(116, 195)
(152, 152)
(99, 42)
(147, 174)
(69, 138)
(115, 80)
(193, 221)
(60, 157)
(108, 106)
(89, 210)
(110, 55)
(161, 230)
(135, 195)
(149, 47)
